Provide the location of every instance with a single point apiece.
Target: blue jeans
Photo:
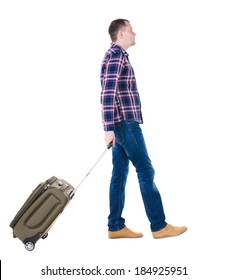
(130, 146)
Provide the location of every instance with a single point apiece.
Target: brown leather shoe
(168, 231)
(124, 233)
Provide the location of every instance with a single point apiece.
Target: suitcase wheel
(29, 245)
(45, 235)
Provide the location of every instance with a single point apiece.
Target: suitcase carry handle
(101, 156)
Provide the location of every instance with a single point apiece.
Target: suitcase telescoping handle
(104, 152)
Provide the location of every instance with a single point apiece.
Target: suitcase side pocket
(41, 188)
(43, 212)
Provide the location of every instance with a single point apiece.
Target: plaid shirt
(119, 97)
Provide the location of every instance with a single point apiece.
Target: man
(121, 115)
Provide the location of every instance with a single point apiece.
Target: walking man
(121, 116)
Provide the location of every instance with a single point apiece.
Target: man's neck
(121, 45)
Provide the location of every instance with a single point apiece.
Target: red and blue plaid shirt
(119, 97)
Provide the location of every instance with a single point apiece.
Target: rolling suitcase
(40, 210)
(43, 206)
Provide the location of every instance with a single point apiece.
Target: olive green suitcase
(42, 207)
(40, 210)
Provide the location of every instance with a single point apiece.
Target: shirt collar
(113, 45)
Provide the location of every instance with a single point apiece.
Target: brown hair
(115, 26)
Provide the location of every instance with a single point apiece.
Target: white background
(51, 53)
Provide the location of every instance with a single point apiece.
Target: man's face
(128, 35)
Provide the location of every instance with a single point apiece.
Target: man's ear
(120, 34)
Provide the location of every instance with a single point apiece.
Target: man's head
(121, 33)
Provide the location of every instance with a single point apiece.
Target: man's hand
(110, 137)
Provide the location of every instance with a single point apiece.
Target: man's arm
(113, 68)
